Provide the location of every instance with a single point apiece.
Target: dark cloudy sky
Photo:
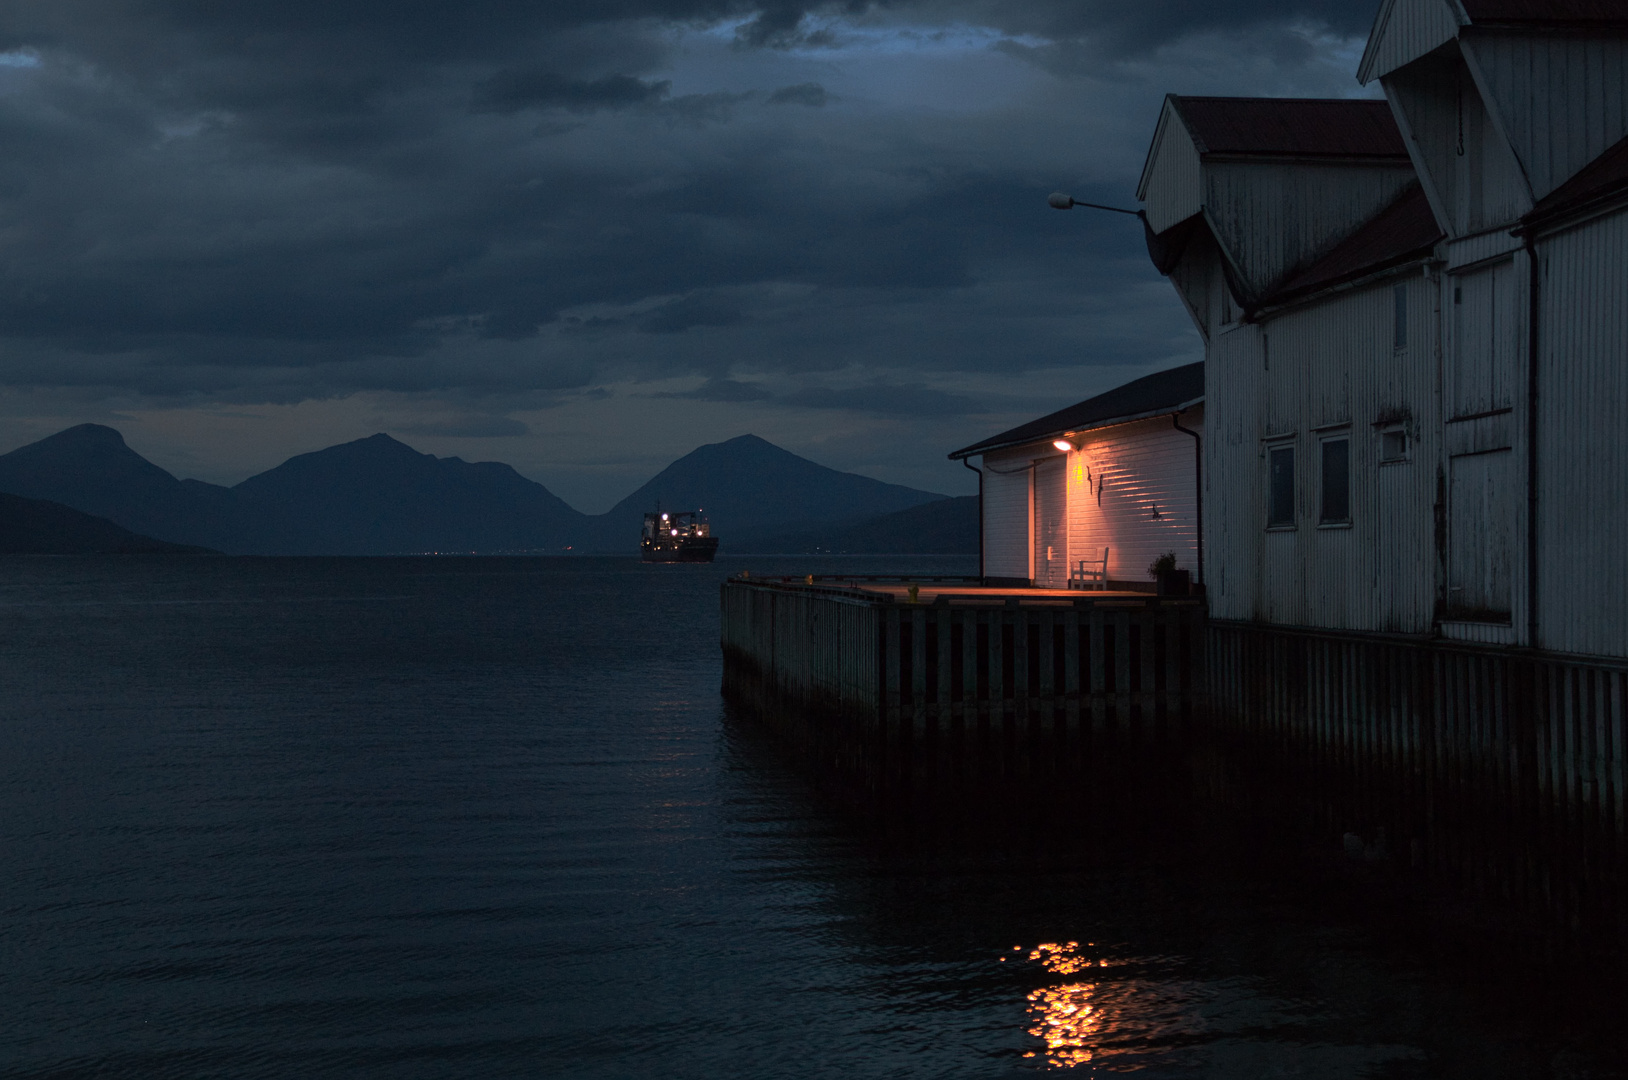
(586, 237)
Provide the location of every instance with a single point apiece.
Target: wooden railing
(1101, 661)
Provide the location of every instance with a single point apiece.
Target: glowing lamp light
(664, 517)
(1064, 445)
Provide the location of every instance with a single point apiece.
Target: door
(1007, 547)
(1480, 534)
(1484, 488)
(1487, 326)
(1051, 523)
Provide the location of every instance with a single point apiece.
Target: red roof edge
(1601, 180)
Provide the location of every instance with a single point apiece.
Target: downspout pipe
(980, 473)
(1534, 307)
(1198, 484)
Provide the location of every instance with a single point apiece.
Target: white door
(1006, 520)
(1051, 523)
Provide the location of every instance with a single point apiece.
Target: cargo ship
(679, 537)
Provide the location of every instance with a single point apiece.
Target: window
(1393, 444)
(1336, 482)
(1280, 497)
(1400, 339)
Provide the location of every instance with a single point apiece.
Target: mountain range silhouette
(378, 496)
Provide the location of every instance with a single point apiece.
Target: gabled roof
(1152, 395)
(1601, 180)
(1403, 231)
(1291, 127)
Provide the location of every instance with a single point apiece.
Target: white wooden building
(1415, 318)
(1117, 472)
(1409, 432)
(1515, 114)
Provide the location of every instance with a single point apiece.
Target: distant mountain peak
(378, 440)
(742, 447)
(748, 484)
(86, 435)
(377, 449)
(83, 446)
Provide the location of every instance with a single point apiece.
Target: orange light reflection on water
(1065, 1016)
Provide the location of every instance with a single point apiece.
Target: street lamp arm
(1061, 201)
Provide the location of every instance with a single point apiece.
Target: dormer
(1500, 101)
(1241, 192)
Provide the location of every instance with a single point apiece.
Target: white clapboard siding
(1582, 452)
(1132, 489)
(1007, 478)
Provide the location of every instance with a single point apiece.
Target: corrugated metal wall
(1582, 454)
(1331, 370)
(1172, 190)
(1131, 489)
(1488, 331)
(1563, 98)
(1410, 29)
(1483, 438)
(1439, 110)
(1436, 541)
(1198, 280)
(1273, 217)
(1007, 499)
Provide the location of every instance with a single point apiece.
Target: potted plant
(1170, 580)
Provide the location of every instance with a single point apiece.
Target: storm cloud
(241, 231)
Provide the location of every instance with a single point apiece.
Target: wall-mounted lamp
(1059, 200)
(1064, 445)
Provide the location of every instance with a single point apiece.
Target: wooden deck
(953, 590)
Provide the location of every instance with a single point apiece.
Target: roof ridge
(1154, 394)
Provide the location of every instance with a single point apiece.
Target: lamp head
(1064, 445)
(1060, 201)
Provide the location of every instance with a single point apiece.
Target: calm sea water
(489, 818)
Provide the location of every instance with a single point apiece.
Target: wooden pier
(1502, 772)
(932, 678)
(1495, 777)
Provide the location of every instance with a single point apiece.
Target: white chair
(1090, 574)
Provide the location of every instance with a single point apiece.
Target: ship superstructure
(677, 537)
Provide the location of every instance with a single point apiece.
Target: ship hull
(698, 549)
